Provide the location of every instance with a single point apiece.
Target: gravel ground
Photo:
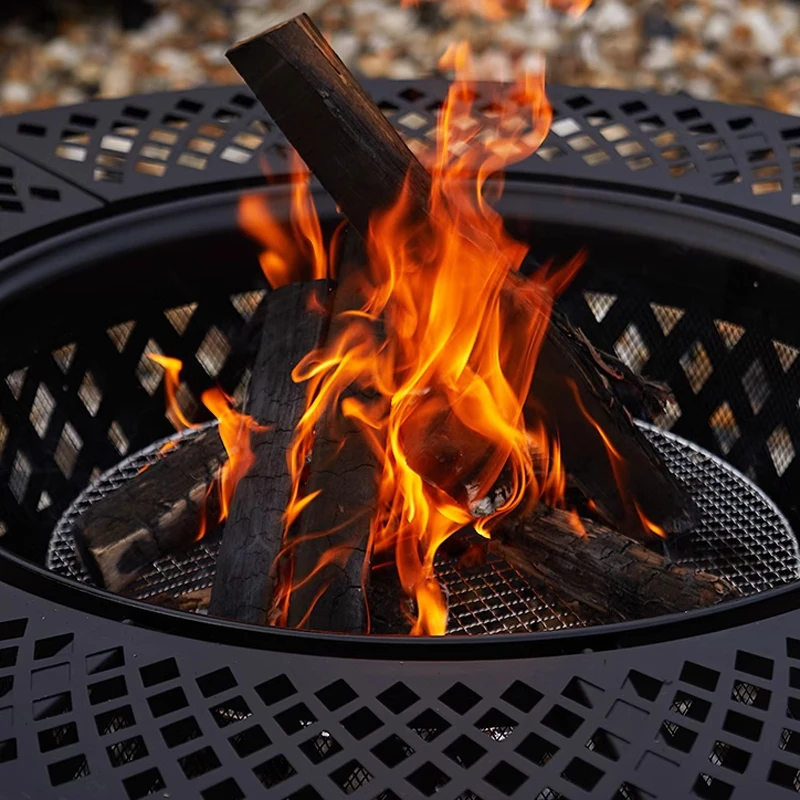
(739, 51)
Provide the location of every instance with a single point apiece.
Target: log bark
(157, 512)
(362, 162)
(344, 469)
(615, 576)
(244, 581)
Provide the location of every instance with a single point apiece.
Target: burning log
(327, 555)
(244, 581)
(159, 511)
(598, 567)
(363, 163)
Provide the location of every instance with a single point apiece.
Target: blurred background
(66, 51)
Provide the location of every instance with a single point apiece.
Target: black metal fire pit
(118, 238)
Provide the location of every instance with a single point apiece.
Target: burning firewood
(159, 511)
(598, 567)
(328, 593)
(293, 326)
(363, 163)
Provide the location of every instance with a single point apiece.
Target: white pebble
(63, 53)
(16, 92)
(784, 66)
(767, 38)
(701, 87)
(661, 55)
(612, 16)
(587, 47)
(346, 45)
(717, 28)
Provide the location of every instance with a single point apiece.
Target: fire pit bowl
(118, 238)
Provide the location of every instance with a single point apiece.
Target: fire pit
(116, 219)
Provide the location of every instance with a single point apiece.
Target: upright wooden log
(362, 162)
(344, 470)
(618, 578)
(244, 581)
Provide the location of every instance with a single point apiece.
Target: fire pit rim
(769, 247)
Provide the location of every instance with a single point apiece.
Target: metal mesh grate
(741, 536)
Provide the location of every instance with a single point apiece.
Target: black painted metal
(688, 211)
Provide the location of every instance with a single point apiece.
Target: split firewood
(157, 512)
(615, 576)
(327, 555)
(245, 581)
(362, 162)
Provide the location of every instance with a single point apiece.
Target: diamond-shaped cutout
(521, 696)
(725, 428)
(460, 698)
(90, 394)
(398, 697)
(295, 718)
(64, 356)
(787, 354)
(21, 471)
(350, 777)
(249, 741)
(677, 736)
(199, 762)
(246, 303)
(562, 720)
(143, 784)
(180, 732)
(606, 744)
(392, 750)
(505, 778)
(118, 438)
(126, 751)
(496, 725)
(15, 381)
(148, 371)
(42, 410)
(756, 386)
(667, 317)
(428, 725)
(428, 779)
(180, 317)
(274, 770)
(729, 332)
(696, 366)
(464, 751)
(724, 754)
(631, 348)
(751, 695)
(320, 747)
(599, 303)
(537, 749)
(275, 690)
(361, 723)
(213, 351)
(564, 127)
(781, 449)
(67, 450)
(121, 334)
(230, 711)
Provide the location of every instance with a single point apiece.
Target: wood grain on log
(615, 576)
(344, 469)
(244, 582)
(157, 512)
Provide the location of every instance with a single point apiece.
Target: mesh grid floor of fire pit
(741, 537)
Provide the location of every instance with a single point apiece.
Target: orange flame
(451, 365)
(234, 431)
(649, 525)
(289, 249)
(445, 343)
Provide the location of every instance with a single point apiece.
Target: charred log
(159, 511)
(615, 576)
(363, 163)
(244, 581)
